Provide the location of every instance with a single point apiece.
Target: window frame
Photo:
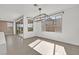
(54, 15)
(28, 25)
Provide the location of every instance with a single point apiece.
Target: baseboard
(57, 41)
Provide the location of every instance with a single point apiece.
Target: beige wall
(3, 26)
(6, 27)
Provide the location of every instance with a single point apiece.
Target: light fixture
(41, 15)
(35, 5)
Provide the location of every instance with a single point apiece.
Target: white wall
(71, 25)
(2, 38)
(37, 28)
(2, 44)
(14, 27)
(70, 28)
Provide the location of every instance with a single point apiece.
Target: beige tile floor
(18, 46)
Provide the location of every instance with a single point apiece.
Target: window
(53, 23)
(30, 25)
(19, 27)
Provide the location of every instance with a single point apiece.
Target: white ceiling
(10, 12)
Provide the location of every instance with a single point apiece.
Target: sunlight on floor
(59, 50)
(47, 48)
(35, 43)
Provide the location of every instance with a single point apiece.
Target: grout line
(36, 44)
(54, 49)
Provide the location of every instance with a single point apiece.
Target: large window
(53, 23)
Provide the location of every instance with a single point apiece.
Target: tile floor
(18, 46)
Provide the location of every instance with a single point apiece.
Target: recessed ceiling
(10, 12)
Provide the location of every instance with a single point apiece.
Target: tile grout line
(36, 44)
(54, 49)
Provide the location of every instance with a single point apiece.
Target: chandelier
(44, 16)
(41, 15)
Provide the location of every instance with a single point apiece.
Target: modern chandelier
(41, 15)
